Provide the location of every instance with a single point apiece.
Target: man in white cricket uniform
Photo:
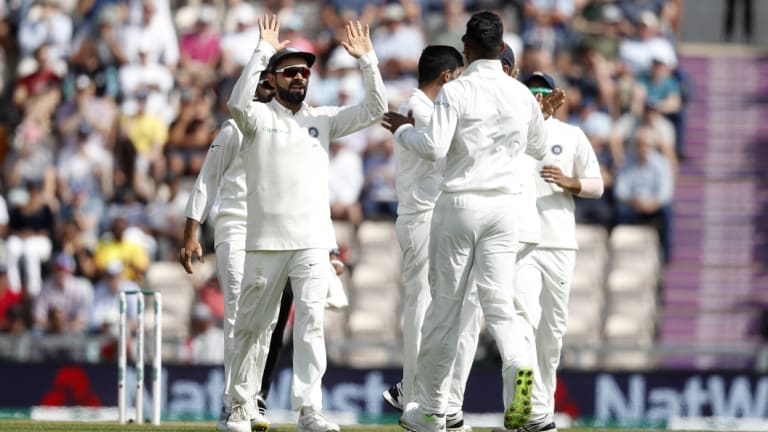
(223, 174)
(481, 122)
(418, 186)
(285, 152)
(544, 279)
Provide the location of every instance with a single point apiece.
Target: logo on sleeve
(557, 149)
(313, 132)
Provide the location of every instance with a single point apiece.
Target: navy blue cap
(542, 76)
(508, 57)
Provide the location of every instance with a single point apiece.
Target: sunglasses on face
(540, 90)
(290, 72)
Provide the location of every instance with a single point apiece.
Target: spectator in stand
(147, 77)
(133, 256)
(379, 196)
(205, 344)
(237, 46)
(663, 129)
(156, 34)
(106, 300)
(9, 298)
(660, 87)
(190, 133)
(547, 21)
(87, 107)
(29, 241)
(345, 174)
(63, 304)
(201, 47)
(397, 43)
(81, 167)
(99, 54)
(37, 91)
(148, 134)
(77, 243)
(450, 27)
(31, 159)
(638, 52)
(602, 211)
(644, 187)
(45, 23)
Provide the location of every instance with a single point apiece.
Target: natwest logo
(711, 395)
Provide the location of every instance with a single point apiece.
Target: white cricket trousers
(34, 250)
(230, 259)
(473, 244)
(264, 278)
(543, 289)
(413, 236)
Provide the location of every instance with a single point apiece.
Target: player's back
(495, 113)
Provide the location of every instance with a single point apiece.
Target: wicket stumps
(157, 361)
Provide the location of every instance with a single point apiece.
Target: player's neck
(431, 90)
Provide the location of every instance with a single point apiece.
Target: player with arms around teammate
(285, 150)
(544, 280)
(481, 122)
(418, 186)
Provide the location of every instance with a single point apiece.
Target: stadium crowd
(109, 106)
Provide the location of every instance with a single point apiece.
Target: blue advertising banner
(195, 392)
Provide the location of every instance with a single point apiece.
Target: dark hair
(484, 34)
(436, 59)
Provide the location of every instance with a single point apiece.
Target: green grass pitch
(37, 426)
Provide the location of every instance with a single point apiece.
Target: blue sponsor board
(194, 392)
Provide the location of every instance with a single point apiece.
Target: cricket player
(481, 122)
(223, 174)
(544, 278)
(285, 147)
(418, 186)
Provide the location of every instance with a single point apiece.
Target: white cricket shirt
(528, 228)
(417, 180)
(286, 156)
(569, 149)
(481, 122)
(223, 173)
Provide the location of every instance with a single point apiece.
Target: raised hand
(551, 102)
(358, 41)
(392, 120)
(269, 30)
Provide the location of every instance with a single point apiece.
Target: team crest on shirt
(557, 149)
(313, 132)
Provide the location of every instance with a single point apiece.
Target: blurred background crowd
(109, 106)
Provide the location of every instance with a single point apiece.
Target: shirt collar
(484, 67)
(287, 111)
(422, 96)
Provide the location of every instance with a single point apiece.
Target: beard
(291, 97)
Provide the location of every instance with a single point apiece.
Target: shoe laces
(238, 413)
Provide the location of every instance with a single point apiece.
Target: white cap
(664, 54)
(245, 14)
(206, 14)
(598, 124)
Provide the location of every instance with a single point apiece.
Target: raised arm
(241, 104)
(350, 119)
